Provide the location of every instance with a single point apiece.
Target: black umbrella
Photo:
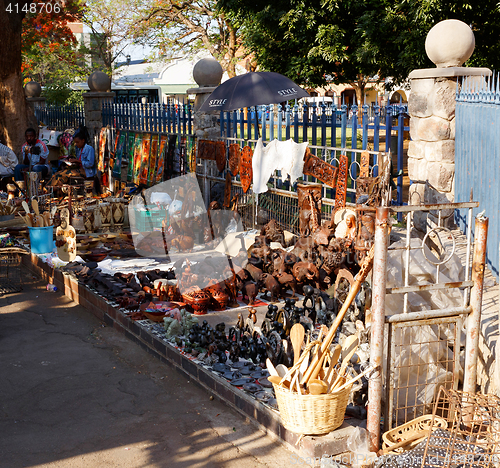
(252, 89)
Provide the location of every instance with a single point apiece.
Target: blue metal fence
(477, 155)
(325, 125)
(61, 117)
(149, 117)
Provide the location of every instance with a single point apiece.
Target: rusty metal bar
(379, 280)
(409, 218)
(428, 314)
(439, 206)
(476, 298)
(429, 287)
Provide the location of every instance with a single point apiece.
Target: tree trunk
(13, 108)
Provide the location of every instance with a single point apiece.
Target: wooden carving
(220, 155)
(309, 208)
(320, 169)
(341, 191)
(234, 158)
(365, 231)
(364, 164)
(206, 149)
(246, 172)
(363, 187)
(227, 190)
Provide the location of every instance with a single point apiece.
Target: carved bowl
(198, 300)
(219, 298)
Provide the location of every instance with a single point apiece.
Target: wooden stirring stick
(316, 361)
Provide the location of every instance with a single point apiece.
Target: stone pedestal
(431, 153)
(35, 102)
(93, 102)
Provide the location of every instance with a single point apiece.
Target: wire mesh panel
(473, 435)
(423, 355)
(10, 273)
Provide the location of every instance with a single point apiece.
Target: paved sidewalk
(76, 394)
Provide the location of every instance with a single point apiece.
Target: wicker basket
(413, 432)
(312, 414)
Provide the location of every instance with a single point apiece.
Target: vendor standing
(34, 155)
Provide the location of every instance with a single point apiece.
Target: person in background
(34, 154)
(8, 161)
(81, 166)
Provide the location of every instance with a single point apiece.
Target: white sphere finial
(450, 43)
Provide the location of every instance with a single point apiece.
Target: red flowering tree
(29, 30)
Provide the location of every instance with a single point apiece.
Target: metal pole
(476, 299)
(377, 334)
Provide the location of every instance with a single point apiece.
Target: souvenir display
(234, 158)
(66, 238)
(220, 155)
(246, 172)
(319, 169)
(341, 189)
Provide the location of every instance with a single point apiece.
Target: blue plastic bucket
(41, 239)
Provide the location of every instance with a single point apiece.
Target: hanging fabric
(191, 154)
(160, 166)
(285, 156)
(120, 148)
(152, 160)
(137, 158)
(144, 166)
(130, 156)
(102, 149)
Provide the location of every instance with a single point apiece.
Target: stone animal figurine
(249, 290)
(305, 272)
(271, 284)
(287, 281)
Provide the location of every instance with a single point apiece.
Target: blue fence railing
(60, 117)
(366, 127)
(149, 117)
(477, 155)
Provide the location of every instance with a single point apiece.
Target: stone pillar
(207, 73)
(100, 92)
(431, 105)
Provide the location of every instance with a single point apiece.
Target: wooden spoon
(34, 204)
(297, 337)
(333, 362)
(350, 346)
(317, 387)
(276, 380)
(349, 382)
(25, 206)
(272, 370)
(282, 370)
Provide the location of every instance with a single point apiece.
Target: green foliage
(61, 94)
(348, 40)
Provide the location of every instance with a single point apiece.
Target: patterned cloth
(8, 161)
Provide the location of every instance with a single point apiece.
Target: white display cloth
(285, 156)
